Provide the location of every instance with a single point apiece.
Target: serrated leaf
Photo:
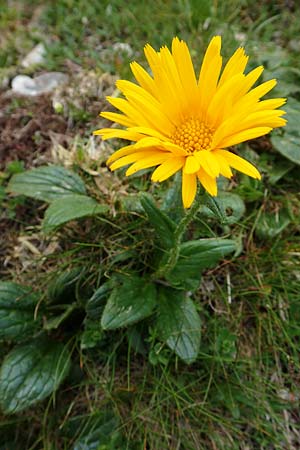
(196, 256)
(31, 372)
(162, 224)
(130, 301)
(69, 208)
(17, 306)
(178, 323)
(47, 183)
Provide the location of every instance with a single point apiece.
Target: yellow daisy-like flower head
(178, 122)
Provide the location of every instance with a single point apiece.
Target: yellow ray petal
(153, 58)
(209, 81)
(209, 73)
(136, 156)
(250, 79)
(192, 164)
(153, 114)
(208, 162)
(147, 162)
(148, 132)
(249, 101)
(147, 144)
(168, 168)
(108, 133)
(261, 90)
(185, 70)
(176, 149)
(236, 64)
(246, 84)
(124, 106)
(221, 104)
(121, 152)
(213, 49)
(168, 96)
(170, 69)
(170, 101)
(242, 136)
(243, 121)
(239, 163)
(148, 141)
(271, 103)
(262, 118)
(146, 104)
(118, 118)
(209, 183)
(144, 79)
(189, 188)
(224, 166)
(134, 91)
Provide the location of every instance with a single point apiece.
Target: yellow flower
(178, 122)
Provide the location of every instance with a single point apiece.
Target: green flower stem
(180, 230)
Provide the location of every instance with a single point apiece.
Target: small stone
(42, 84)
(123, 47)
(35, 56)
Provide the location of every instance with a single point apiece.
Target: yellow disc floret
(193, 135)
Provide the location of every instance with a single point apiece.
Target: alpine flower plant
(176, 121)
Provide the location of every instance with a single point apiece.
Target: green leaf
(92, 334)
(130, 203)
(17, 307)
(162, 224)
(54, 322)
(130, 301)
(100, 432)
(287, 143)
(270, 225)
(96, 303)
(194, 257)
(31, 372)
(2, 194)
(47, 183)
(278, 170)
(178, 323)
(69, 208)
(62, 288)
(135, 340)
(224, 346)
(227, 207)
(172, 199)
(15, 167)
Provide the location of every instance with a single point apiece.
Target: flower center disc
(193, 135)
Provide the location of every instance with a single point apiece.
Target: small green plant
(77, 369)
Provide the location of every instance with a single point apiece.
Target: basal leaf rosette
(176, 121)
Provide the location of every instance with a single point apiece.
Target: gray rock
(36, 56)
(42, 84)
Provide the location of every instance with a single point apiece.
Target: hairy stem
(180, 229)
